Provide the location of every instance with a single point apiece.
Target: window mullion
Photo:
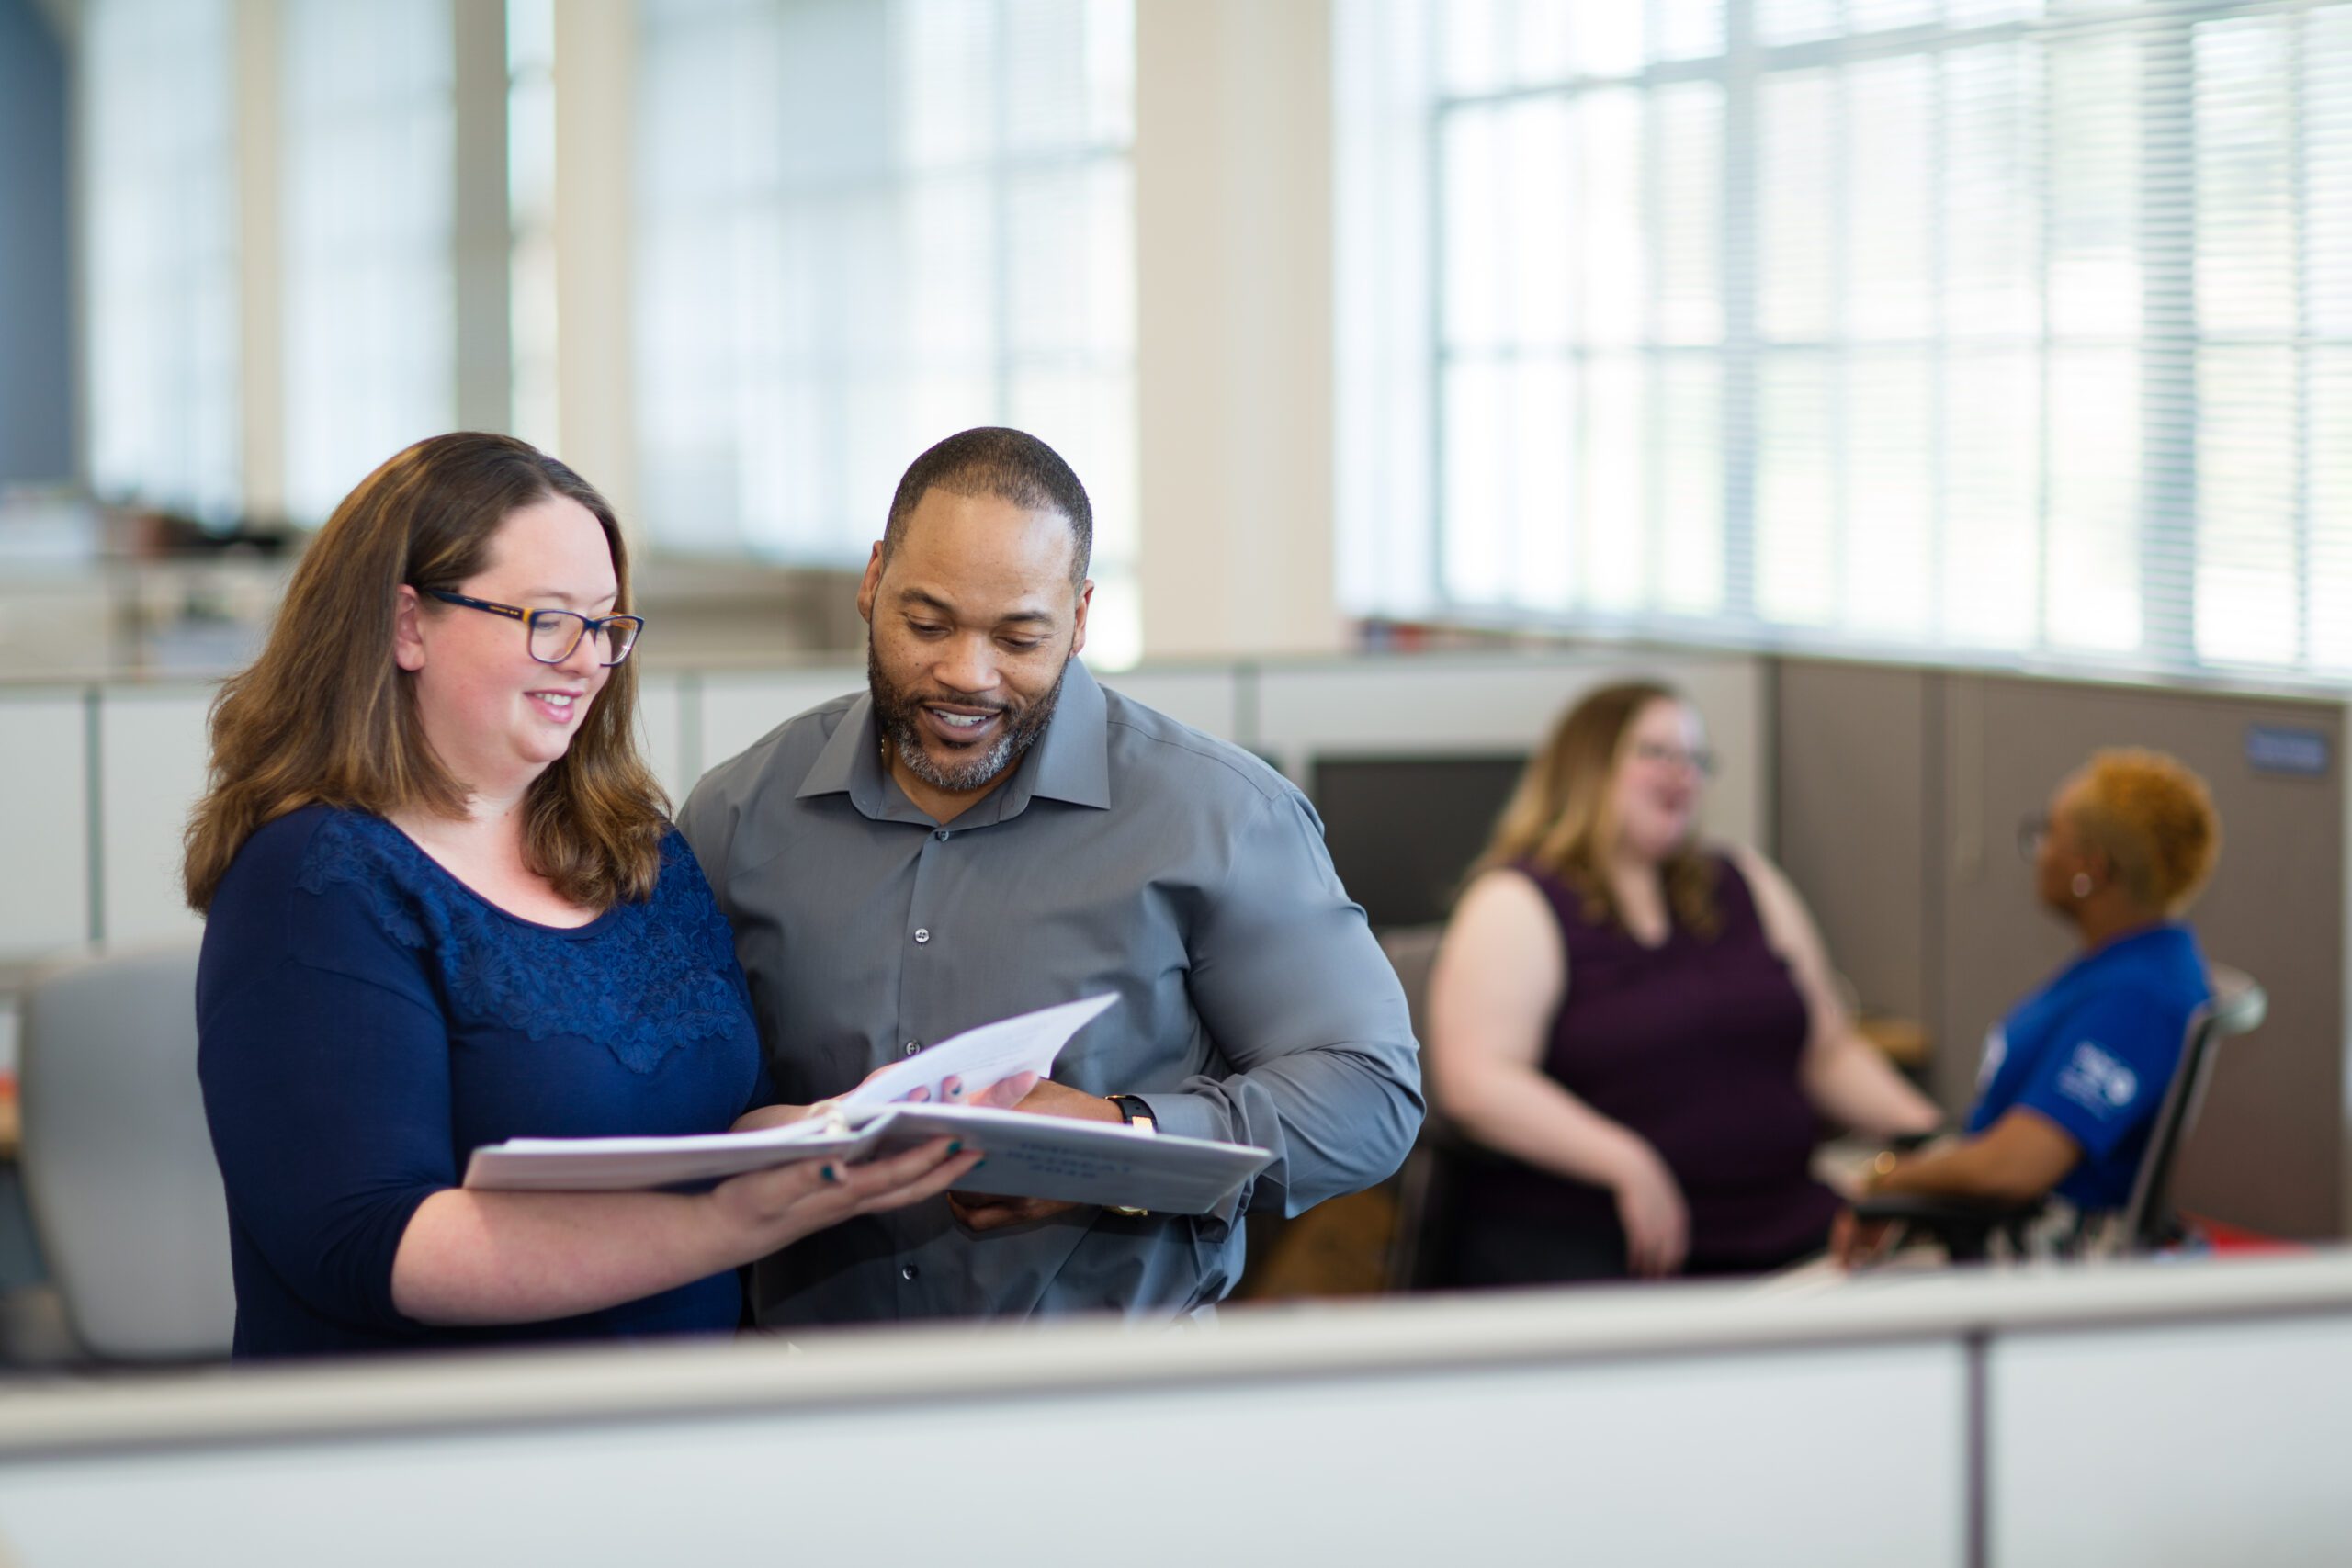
(2169, 354)
(1740, 260)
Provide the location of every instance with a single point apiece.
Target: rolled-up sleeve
(1300, 1000)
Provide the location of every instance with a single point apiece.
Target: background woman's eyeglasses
(2031, 831)
(1701, 760)
(553, 634)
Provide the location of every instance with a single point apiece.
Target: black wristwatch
(1135, 1113)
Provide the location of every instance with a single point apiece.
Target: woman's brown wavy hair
(1559, 816)
(326, 717)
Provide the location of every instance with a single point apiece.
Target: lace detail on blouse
(648, 979)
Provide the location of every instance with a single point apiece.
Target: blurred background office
(1935, 388)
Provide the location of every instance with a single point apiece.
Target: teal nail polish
(981, 1164)
(956, 1148)
(827, 1174)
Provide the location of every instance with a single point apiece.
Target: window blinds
(867, 226)
(2009, 328)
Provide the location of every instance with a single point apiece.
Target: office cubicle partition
(2142, 1413)
(1897, 803)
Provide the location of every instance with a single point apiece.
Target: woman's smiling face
(496, 716)
(1661, 773)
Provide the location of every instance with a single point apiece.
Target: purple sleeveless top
(1694, 1044)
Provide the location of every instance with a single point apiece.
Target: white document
(1027, 1156)
(981, 1056)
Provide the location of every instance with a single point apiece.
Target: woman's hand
(769, 1116)
(1657, 1219)
(1855, 1241)
(776, 1207)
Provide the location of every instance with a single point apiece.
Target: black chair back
(2237, 1007)
(1420, 1197)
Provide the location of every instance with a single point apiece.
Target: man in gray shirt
(985, 831)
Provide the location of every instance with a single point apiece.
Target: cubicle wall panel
(1723, 1457)
(1205, 699)
(2266, 1153)
(1442, 705)
(44, 822)
(1854, 811)
(152, 755)
(736, 709)
(2183, 1445)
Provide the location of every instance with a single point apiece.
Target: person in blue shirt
(2074, 1075)
(445, 908)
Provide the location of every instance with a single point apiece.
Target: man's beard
(895, 711)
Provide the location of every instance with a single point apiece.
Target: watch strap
(1134, 1113)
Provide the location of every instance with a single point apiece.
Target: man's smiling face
(973, 620)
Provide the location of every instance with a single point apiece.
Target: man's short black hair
(1010, 465)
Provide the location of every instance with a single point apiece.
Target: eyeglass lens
(556, 633)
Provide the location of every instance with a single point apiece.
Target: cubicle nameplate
(2288, 749)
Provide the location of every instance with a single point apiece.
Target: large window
(369, 167)
(161, 197)
(1995, 328)
(866, 224)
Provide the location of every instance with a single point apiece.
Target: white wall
(1234, 326)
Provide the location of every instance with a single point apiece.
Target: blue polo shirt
(2094, 1050)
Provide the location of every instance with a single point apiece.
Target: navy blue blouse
(365, 1020)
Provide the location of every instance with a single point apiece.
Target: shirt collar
(851, 763)
(1073, 757)
(1071, 762)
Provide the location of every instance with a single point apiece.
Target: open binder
(1028, 1155)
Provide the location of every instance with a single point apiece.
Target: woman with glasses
(445, 908)
(1637, 1034)
(2073, 1076)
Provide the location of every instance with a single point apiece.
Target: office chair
(1427, 1188)
(117, 1159)
(1421, 1183)
(2146, 1221)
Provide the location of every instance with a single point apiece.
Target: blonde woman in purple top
(1638, 1032)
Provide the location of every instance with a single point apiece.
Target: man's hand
(979, 1213)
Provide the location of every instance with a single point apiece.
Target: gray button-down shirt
(1125, 853)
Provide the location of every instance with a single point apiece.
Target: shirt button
(923, 934)
(908, 1272)
(913, 1046)
(940, 835)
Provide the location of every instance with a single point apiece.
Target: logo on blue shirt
(2097, 1081)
